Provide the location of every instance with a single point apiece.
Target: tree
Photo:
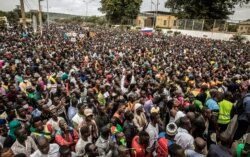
(14, 15)
(120, 11)
(204, 9)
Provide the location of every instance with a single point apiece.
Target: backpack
(162, 149)
(240, 106)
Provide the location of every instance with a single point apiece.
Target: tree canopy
(120, 11)
(204, 9)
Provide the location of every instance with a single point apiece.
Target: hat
(137, 105)
(88, 112)
(155, 109)
(171, 129)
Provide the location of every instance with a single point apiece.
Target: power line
(27, 5)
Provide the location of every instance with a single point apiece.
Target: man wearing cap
(166, 139)
(90, 122)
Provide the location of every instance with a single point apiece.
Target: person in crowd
(65, 151)
(91, 150)
(120, 113)
(123, 151)
(83, 140)
(45, 149)
(53, 122)
(226, 111)
(6, 152)
(140, 144)
(166, 139)
(24, 143)
(129, 128)
(102, 118)
(183, 137)
(244, 114)
(90, 122)
(199, 145)
(105, 143)
(242, 149)
(222, 149)
(79, 116)
(176, 150)
(153, 129)
(66, 135)
(11, 138)
(140, 119)
(38, 129)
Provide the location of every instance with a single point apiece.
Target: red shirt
(139, 150)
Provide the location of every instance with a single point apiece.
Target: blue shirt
(71, 112)
(246, 105)
(212, 104)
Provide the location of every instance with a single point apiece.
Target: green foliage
(238, 38)
(204, 9)
(78, 20)
(120, 11)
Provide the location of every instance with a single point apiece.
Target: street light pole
(87, 5)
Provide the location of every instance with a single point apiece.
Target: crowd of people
(122, 93)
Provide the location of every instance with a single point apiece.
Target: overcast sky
(78, 7)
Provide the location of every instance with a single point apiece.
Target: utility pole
(40, 17)
(23, 14)
(151, 5)
(48, 14)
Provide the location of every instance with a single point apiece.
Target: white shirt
(153, 133)
(80, 146)
(77, 119)
(53, 152)
(178, 115)
(55, 124)
(184, 139)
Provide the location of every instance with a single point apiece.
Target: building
(244, 27)
(152, 19)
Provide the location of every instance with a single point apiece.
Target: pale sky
(78, 7)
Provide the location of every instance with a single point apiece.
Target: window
(165, 22)
(174, 22)
(241, 28)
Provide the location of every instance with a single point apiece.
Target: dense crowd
(122, 93)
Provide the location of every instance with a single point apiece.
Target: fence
(206, 25)
(213, 25)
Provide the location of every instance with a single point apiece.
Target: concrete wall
(203, 34)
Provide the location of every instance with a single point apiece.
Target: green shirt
(239, 149)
